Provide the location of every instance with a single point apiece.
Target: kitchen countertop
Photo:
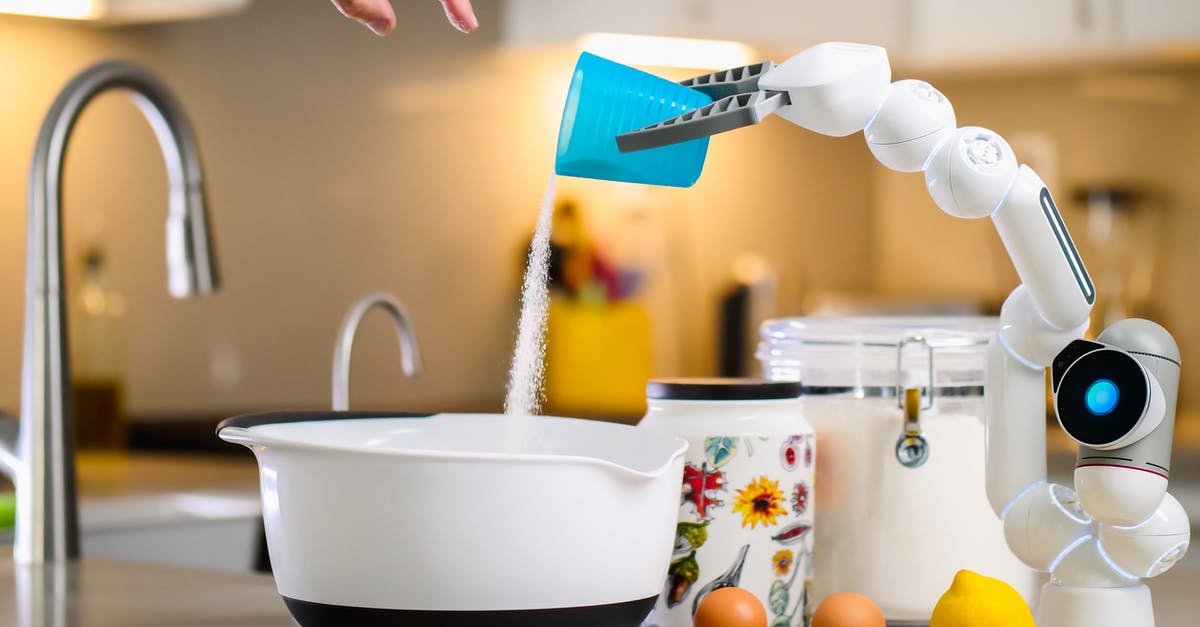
(103, 593)
(106, 593)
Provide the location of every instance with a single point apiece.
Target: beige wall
(338, 164)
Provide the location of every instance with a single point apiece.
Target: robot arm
(838, 89)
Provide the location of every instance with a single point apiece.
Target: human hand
(378, 15)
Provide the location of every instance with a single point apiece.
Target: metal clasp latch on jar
(912, 449)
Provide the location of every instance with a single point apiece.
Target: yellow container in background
(598, 359)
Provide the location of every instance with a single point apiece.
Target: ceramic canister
(746, 506)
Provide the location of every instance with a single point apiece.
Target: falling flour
(525, 375)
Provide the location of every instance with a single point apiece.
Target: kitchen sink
(211, 530)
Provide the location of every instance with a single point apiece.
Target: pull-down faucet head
(191, 266)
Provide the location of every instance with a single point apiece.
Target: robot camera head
(1104, 398)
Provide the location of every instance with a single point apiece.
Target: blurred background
(340, 163)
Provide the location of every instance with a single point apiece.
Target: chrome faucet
(39, 455)
(410, 354)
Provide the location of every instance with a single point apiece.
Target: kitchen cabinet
(919, 34)
(957, 33)
(125, 11)
(769, 24)
(793, 26)
(534, 22)
(1159, 26)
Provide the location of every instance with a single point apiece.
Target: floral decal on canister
(720, 450)
(800, 498)
(782, 561)
(760, 502)
(681, 575)
(790, 452)
(745, 519)
(793, 533)
(699, 487)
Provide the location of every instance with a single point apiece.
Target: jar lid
(717, 389)
(867, 353)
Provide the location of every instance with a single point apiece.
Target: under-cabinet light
(701, 54)
(121, 11)
(65, 9)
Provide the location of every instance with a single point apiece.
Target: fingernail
(466, 23)
(379, 27)
(469, 22)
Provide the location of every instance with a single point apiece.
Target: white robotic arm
(1116, 396)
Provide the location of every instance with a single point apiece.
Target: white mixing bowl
(454, 519)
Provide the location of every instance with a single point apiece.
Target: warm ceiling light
(700, 54)
(66, 9)
(121, 11)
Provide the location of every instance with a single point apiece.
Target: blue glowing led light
(1101, 397)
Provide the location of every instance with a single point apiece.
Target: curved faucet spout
(46, 529)
(190, 262)
(410, 354)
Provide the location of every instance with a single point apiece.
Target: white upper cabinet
(123, 11)
(1159, 26)
(773, 25)
(918, 34)
(793, 25)
(965, 33)
(533, 22)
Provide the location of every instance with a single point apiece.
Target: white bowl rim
(241, 430)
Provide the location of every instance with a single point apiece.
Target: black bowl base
(628, 614)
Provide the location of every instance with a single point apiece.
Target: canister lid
(865, 353)
(718, 389)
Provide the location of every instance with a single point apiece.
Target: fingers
(461, 15)
(376, 15)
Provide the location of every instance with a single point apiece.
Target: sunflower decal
(782, 562)
(760, 502)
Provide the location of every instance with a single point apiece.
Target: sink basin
(210, 530)
(115, 514)
(216, 531)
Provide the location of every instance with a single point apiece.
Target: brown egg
(847, 609)
(730, 607)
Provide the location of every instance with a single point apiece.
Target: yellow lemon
(977, 601)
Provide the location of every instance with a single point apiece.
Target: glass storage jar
(897, 405)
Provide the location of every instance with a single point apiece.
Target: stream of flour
(524, 397)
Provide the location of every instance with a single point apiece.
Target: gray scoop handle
(724, 115)
(737, 102)
(725, 83)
